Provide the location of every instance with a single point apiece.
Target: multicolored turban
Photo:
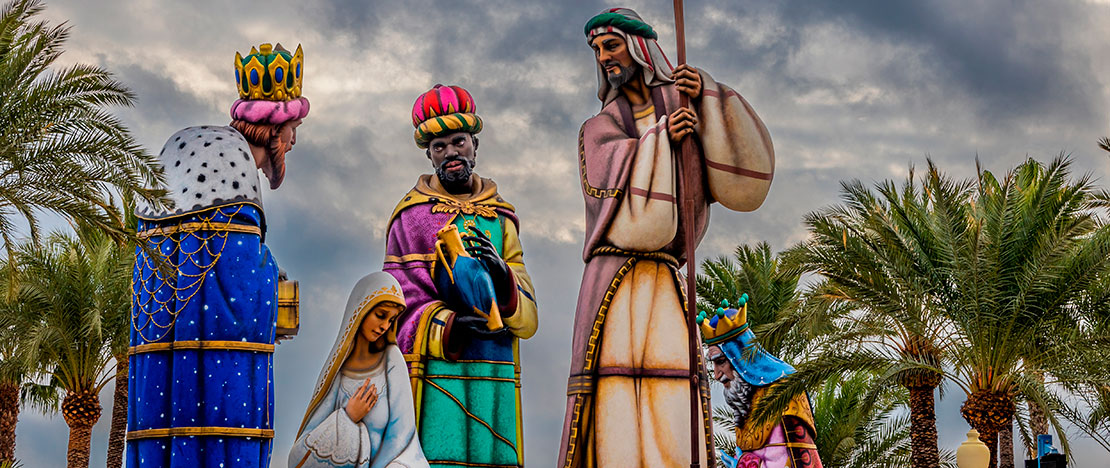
(641, 40)
(444, 110)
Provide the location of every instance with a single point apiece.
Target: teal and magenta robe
(466, 390)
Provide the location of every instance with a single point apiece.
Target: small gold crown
(270, 73)
(729, 323)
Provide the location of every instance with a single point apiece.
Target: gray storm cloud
(858, 89)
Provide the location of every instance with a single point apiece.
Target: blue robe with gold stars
(200, 378)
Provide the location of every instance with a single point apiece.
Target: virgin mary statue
(361, 412)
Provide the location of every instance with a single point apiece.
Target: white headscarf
(645, 51)
(370, 291)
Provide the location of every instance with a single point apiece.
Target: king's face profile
(719, 366)
(288, 134)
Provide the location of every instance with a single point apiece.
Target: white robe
(385, 437)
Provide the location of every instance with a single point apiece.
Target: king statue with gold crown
(205, 288)
(746, 370)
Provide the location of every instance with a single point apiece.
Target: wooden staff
(688, 155)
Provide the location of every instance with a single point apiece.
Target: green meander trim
(624, 23)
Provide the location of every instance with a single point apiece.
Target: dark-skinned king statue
(452, 244)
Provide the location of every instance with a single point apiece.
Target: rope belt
(654, 256)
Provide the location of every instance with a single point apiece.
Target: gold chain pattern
(205, 230)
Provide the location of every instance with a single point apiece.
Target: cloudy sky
(848, 89)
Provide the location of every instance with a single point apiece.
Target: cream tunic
(643, 420)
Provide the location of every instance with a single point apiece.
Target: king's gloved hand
(481, 247)
(476, 327)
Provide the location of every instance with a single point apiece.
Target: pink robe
(628, 393)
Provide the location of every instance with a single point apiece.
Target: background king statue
(201, 389)
(746, 370)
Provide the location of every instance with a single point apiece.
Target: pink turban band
(259, 111)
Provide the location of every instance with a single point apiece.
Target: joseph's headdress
(728, 329)
(444, 110)
(641, 40)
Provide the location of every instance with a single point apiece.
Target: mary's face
(378, 320)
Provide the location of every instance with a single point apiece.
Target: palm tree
(973, 280)
(60, 149)
(882, 255)
(862, 425)
(1033, 251)
(18, 378)
(856, 429)
(76, 290)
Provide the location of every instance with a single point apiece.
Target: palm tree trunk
(1006, 447)
(80, 441)
(991, 439)
(118, 433)
(923, 428)
(81, 409)
(1038, 423)
(9, 416)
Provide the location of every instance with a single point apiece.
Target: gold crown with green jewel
(270, 73)
(724, 324)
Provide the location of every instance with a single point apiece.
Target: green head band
(619, 21)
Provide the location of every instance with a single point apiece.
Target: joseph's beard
(738, 396)
(625, 76)
(454, 179)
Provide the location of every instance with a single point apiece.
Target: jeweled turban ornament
(444, 110)
(269, 81)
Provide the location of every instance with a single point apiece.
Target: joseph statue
(628, 393)
(465, 315)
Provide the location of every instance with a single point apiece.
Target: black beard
(626, 75)
(454, 181)
(738, 396)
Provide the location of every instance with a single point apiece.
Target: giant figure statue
(746, 370)
(201, 388)
(361, 412)
(468, 305)
(628, 394)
